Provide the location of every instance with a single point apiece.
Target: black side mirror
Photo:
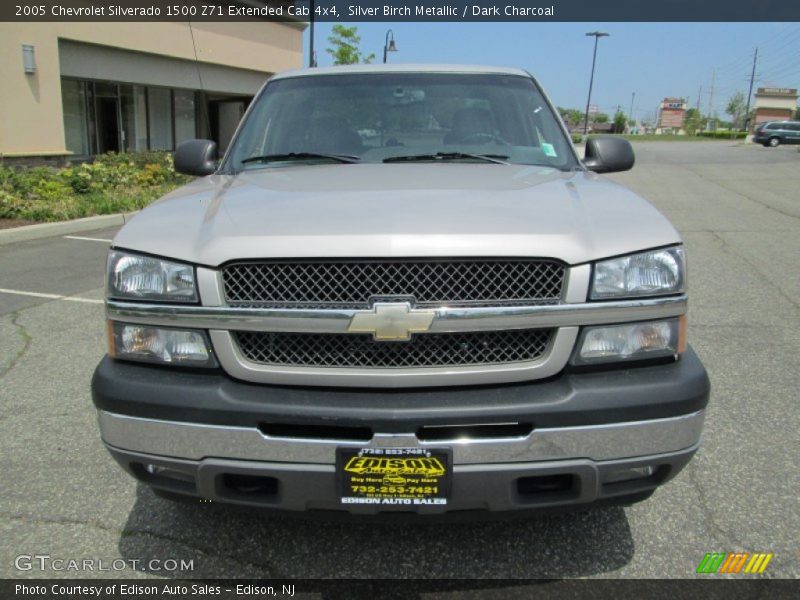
(608, 154)
(196, 157)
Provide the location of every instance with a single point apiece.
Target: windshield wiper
(299, 156)
(499, 159)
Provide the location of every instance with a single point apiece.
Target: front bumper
(202, 434)
(488, 487)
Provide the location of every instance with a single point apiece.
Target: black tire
(774, 142)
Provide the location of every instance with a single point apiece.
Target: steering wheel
(483, 138)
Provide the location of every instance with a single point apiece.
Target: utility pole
(630, 112)
(711, 97)
(597, 35)
(699, 95)
(750, 93)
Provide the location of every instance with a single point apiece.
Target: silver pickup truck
(400, 289)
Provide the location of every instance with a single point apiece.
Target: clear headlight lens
(632, 341)
(180, 347)
(135, 277)
(653, 273)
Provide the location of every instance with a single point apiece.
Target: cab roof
(380, 68)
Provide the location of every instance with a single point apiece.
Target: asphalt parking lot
(738, 208)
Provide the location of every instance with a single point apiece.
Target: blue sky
(654, 60)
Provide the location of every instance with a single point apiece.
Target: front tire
(774, 142)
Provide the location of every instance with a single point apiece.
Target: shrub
(723, 135)
(111, 183)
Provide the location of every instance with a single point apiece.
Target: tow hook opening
(548, 488)
(239, 486)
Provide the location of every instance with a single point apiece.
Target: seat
(332, 135)
(470, 122)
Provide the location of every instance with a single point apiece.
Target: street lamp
(597, 35)
(312, 55)
(389, 46)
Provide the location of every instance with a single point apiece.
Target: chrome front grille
(424, 350)
(430, 282)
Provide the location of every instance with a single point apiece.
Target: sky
(650, 60)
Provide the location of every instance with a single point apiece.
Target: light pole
(312, 59)
(597, 35)
(389, 45)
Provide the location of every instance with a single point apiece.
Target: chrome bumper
(195, 441)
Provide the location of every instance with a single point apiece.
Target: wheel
(773, 142)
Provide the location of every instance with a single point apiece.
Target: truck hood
(397, 210)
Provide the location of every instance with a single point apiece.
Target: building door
(225, 116)
(107, 112)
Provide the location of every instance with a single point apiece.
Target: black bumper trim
(570, 399)
(489, 487)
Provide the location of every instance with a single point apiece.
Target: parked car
(775, 133)
(459, 301)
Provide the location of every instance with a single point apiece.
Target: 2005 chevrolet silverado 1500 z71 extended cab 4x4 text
(400, 289)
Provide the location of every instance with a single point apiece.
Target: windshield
(373, 117)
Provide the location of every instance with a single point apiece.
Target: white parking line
(86, 239)
(51, 296)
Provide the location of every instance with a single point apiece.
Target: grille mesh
(424, 350)
(351, 284)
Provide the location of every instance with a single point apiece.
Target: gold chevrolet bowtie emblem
(392, 321)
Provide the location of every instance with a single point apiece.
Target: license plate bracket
(389, 478)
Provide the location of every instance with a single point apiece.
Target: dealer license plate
(394, 477)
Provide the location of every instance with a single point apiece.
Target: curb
(45, 230)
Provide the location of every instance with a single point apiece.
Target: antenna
(203, 104)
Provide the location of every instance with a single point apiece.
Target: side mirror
(608, 154)
(196, 157)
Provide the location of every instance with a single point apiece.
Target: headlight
(135, 277)
(180, 347)
(653, 273)
(632, 341)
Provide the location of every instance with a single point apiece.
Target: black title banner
(411, 10)
(355, 589)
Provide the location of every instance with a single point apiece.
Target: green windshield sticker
(548, 149)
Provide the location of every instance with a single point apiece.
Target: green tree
(599, 118)
(797, 114)
(737, 105)
(344, 43)
(620, 120)
(693, 121)
(573, 116)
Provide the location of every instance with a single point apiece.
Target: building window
(133, 101)
(159, 105)
(106, 116)
(76, 135)
(184, 115)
